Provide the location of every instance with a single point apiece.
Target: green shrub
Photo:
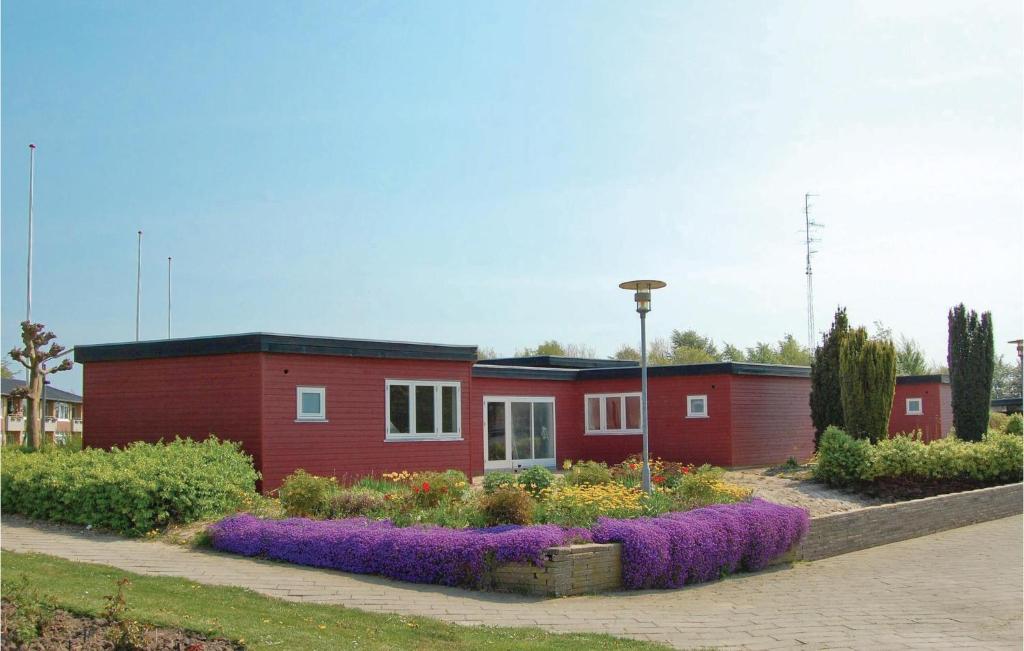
(588, 472)
(997, 421)
(535, 480)
(1014, 425)
(133, 490)
(867, 377)
(705, 486)
(842, 460)
(307, 496)
(354, 502)
(971, 367)
(826, 394)
(507, 505)
(997, 458)
(495, 480)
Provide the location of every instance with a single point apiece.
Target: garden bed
(667, 551)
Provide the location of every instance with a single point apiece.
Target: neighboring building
(62, 412)
(348, 407)
(922, 403)
(1013, 405)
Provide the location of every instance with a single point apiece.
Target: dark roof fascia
(261, 342)
(556, 361)
(524, 372)
(49, 393)
(922, 379)
(1007, 402)
(715, 368)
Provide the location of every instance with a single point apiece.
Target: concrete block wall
(568, 570)
(589, 568)
(840, 533)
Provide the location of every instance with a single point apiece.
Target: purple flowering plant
(667, 551)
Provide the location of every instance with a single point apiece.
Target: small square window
(914, 407)
(696, 406)
(310, 403)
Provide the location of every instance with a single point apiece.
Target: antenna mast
(809, 238)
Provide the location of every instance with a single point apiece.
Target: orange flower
(658, 479)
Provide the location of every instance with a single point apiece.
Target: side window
(309, 403)
(914, 407)
(696, 406)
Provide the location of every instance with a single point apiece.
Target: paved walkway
(957, 589)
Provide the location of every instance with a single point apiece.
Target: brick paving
(957, 589)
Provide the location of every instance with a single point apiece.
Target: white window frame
(413, 435)
(63, 411)
(920, 407)
(689, 406)
(603, 430)
(302, 417)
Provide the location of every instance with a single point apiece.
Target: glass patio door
(519, 432)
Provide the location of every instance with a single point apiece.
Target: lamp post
(642, 295)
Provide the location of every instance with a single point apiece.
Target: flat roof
(559, 361)
(523, 372)
(922, 379)
(266, 342)
(712, 368)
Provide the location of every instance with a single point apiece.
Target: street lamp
(642, 295)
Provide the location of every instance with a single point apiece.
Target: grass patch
(261, 622)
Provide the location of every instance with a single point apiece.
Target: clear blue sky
(486, 173)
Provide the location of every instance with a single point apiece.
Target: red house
(351, 407)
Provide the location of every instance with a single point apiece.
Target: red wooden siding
(673, 436)
(935, 400)
(771, 420)
(352, 441)
(153, 399)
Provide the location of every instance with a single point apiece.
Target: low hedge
(844, 461)
(134, 490)
(662, 552)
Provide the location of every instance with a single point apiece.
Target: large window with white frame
(697, 406)
(63, 411)
(422, 409)
(309, 404)
(915, 407)
(612, 413)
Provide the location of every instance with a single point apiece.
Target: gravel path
(816, 498)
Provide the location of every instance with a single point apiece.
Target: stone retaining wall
(583, 569)
(568, 570)
(840, 533)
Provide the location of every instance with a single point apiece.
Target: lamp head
(642, 292)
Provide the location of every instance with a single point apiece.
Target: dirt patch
(63, 630)
(795, 490)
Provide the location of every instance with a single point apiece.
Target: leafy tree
(910, 358)
(791, 352)
(693, 342)
(34, 356)
(627, 352)
(1006, 379)
(5, 370)
(787, 351)
(731, 353)
(826, 394)
(580, 350)
(658, 352)
(549, 347)
(971, 366)
(691, 355)
(485, 352)
(867, 376)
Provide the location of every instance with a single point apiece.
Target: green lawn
(261, 622)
